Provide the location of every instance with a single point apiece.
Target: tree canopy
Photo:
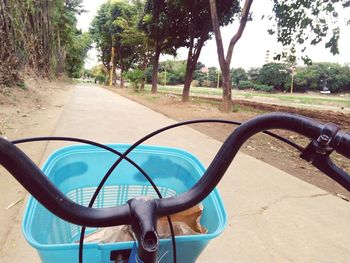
(238, 75)
(315, 77)
(166, 29)
(39, 34)
(276, 75)
(199, 26)
(308, 22)
(117, 26)
(297, 22)
(101, 33)
(77, 50)
(318, 75)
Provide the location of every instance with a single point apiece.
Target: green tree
(76, 54)
(65, 22)
(308, 22)
(253, 74)
(99, 70)
(111, 29)
(124, 15)
(298, 22)
(164, 24)
(199, 65)
(238, 75)
(199, 75)
(38, 34)
(341, 80)
(132, 36)
(213, 77)
(199, 26)
(100, 73)
(314, 77)
(276, 75)
(245, 84)
(101, 34)
(88, 73)
(175, 72)
(135, 77)
(148, 74)
(305, 79)
(225, 62)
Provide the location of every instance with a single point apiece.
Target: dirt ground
(261, 146)
(35, 111)
(29, 112)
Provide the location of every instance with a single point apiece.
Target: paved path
(273, 217)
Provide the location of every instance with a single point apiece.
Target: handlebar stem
(144, 225)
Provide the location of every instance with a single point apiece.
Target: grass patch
(305, 99)
(299, 98)
(206, 101)
(22, 85)
(235, 108)
(193, 91)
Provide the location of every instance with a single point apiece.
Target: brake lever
(318, 151)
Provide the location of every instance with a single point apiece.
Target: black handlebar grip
(28, 174)
(341, 143)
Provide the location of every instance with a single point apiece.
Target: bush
(161, 78)
(245, 84)
(265, 88)
(173, 79)
(276, 75)
(148, 74)
(135, 77)
(101, 79)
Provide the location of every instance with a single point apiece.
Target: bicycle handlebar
(303, 125)
(31, 177)
(342, 143)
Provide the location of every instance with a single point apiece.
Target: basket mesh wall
(61, 232)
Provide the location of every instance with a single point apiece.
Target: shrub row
(246, 84)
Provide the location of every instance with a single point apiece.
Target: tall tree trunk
(9, 61)
(191, 65)
(193, 55)
(226, 62)
(142, 87)
(143, 79)
(226, 90)
(189, 71)
(155, 70)
(122, 78)
(60, 56)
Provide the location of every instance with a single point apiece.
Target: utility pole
(111, 68)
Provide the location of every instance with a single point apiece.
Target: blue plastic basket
(77, 170)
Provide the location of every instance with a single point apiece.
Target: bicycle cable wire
(140, 141)
(71, 139)
(123, 156)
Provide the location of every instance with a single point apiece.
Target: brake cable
(71, 139)
(132, 147)
(124, 156)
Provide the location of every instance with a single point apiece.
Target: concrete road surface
(272, 216)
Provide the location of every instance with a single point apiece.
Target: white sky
(250, 49)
